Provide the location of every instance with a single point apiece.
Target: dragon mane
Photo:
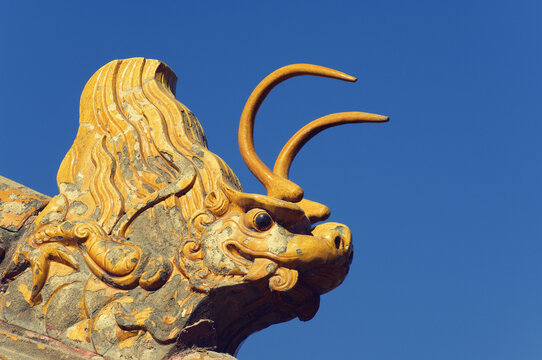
(132, 148)
(154, 235)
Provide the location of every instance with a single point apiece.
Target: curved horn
(307, 132)
(276, 186)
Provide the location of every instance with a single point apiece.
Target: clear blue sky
(445, 200)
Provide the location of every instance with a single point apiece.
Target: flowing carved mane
(131, 148)
(137, 147)
(151, 247)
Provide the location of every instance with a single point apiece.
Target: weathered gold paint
(128, 338)
(18, 203)
(27, 293)
(80, 332)
(12, 337)
(139, 151)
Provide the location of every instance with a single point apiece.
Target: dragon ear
(314, 211)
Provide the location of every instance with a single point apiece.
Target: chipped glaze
(151, 247)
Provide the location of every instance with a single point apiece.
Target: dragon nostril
(337, 242)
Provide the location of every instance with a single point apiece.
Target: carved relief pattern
(151, 233)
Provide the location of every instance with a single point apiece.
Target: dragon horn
(307, 132)
(277, 186)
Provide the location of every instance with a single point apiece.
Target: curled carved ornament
(151, 240)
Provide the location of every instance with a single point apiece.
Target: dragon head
(159, 226)
(271, 241)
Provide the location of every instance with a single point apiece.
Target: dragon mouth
(238, 254)
(247, 256)
(319, 278)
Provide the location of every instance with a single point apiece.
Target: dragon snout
(337, 236)
(322, 258)
(335, 251)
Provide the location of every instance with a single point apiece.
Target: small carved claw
(110, 255)
(106, 256)
(50, 231)
(40, 261)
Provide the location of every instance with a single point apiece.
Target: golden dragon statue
(151, 248)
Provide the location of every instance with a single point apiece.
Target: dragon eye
(259, 219)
